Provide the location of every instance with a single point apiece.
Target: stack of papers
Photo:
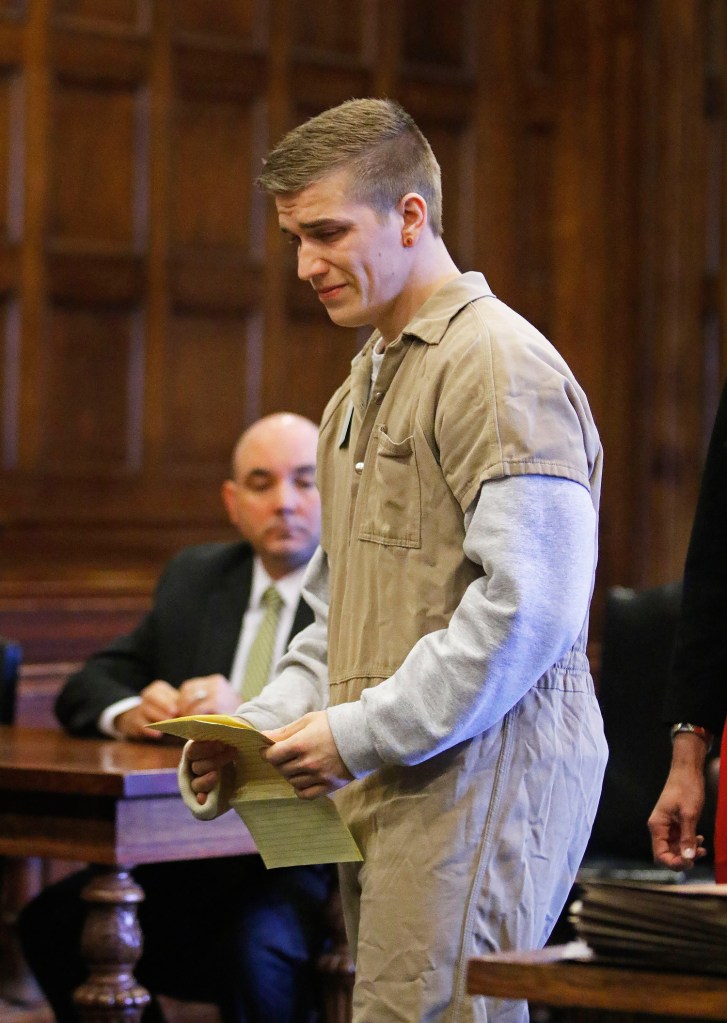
(680, 927)
(287, 831)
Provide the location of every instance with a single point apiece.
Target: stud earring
(408, 240)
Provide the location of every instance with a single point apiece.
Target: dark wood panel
(330, 31)
(239, 20)
(96, 182)
(91, 373)
(209, 389)
(216, 157)
(103, 15)
(582, 146)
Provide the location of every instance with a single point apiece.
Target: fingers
(207, 694)
(159, 700)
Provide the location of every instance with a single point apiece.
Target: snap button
(379, 397)
(359, 466)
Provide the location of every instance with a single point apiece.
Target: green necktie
(260, 657)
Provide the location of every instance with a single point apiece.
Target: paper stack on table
(680, 927)
(288, 831)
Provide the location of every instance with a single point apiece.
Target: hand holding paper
(305, 753)
(206, 760)
(288, 831)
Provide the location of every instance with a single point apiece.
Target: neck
(432, 267)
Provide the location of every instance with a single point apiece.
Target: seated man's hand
(209, 694)
(205, 760)
(305, 753)
(159, 700)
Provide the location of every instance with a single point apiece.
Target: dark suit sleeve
(697, 690)
(122, 670)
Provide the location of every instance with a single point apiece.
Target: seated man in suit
(197, 651)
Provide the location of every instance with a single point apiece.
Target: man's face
(353, 258)
(273, 500)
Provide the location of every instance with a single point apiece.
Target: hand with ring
(159, 700)
(210, 694)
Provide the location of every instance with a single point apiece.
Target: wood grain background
(149, 309)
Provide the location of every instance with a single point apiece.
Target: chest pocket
(390, 494)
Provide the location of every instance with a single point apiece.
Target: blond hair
(375, 140)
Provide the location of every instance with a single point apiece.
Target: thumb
(688, 839)
(278, 734)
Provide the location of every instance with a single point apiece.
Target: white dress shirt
(289, 588)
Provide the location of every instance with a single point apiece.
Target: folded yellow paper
(287, 831)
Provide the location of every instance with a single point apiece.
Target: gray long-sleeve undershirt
(536, 540)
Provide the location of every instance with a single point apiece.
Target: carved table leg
(111, 946)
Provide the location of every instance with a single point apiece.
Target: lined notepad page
(287, 831)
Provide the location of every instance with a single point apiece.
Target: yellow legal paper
(288, 831)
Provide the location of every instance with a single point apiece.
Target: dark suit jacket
(192, 629)
(697, 691)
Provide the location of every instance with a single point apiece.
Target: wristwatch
(685, 726)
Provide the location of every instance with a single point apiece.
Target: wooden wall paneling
(103, 15)
(11, 171)
(91, 366)
(715, 284)
(593, 240)
(212, 368)
(237, 20)
(204, 394)
(35, 130)
(673, 182)
(329, 54)
(612, 382)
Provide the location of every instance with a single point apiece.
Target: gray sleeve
(300, 683)
(535, 538)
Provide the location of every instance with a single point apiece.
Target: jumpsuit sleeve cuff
(353, 739)
(217, 802)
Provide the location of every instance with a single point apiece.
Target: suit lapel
(223, 616)
(303, 617)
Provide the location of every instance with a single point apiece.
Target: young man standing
(443, 690)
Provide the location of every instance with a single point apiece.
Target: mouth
(329, 293)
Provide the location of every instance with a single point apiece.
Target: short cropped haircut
(376, 140)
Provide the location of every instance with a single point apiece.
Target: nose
(310, 263)
(286, 495)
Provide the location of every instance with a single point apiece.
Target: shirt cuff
(351, 733)
(105, 723)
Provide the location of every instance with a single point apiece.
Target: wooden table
(545, 978)
(112, 803)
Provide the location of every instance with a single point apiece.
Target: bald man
(189, 655)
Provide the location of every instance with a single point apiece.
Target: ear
(414, 215)
(228, 494)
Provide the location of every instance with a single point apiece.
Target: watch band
(685, 726)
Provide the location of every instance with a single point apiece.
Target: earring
(408, 240)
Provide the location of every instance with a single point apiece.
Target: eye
(330, 234)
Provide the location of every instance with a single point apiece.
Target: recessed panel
(11, 154)
(99, 13)
(206, 395)
(331, 27)
(92, 361)
(93, 176)
(9, 383)
(213, 192)
(438, 34)
(316, 356)
(448, 142)
(232, 18)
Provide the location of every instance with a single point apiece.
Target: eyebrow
(260, 473)
(313, 225)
